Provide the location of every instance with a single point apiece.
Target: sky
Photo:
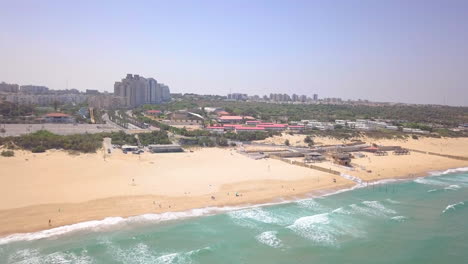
(394, 51)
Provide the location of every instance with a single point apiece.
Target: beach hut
(401, 152)
(342, 158)
(165, 148)
(313, 157)
(371, 149)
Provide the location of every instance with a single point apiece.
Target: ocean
(422, 220)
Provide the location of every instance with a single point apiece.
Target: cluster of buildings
(273, 97)
(292, 98)
(46, 98)
(253, 126)
(132, 91)
(42, 95)
(137, 90)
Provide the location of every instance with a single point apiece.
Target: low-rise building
(216, 129)
(58, 118)
(296, 128)
(165, 148)
(154, 112)
(234, 119)
(248, 129)
(273, 127)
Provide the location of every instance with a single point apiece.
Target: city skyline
(398, 51)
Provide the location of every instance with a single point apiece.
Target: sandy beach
(74, 188)
(69, 189)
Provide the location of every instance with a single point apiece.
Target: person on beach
(50, 222)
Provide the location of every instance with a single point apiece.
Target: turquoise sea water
(416, 221)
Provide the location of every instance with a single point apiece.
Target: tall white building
(137, 90)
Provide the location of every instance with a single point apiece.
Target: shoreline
(109, 223)
(72, 189)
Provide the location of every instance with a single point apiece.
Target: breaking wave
(453, 207)
(310, 204)
(378, 206)
(251, 216)
(450, 171)
(399, 218)
(111, 223)
(452, 187)
(33, 256)
(270, 238)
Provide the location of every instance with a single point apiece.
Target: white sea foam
(452, 187)
(392, 201)
(270, 238)
(244, 217)
(430, 181)
(315, 228)
(449, 171)
(341, 210)
(399, 218)
(111, 223)
(198, 251)
(432, 190)
(310, 204)
(33, 256)
(166, 259)
(369, 211)
(452, 207)
(378, 206)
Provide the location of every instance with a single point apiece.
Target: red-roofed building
(58, 118)
(154, 112)
(222, 113)
(266, 124)
(252, 122)
(248, 129)
(276, 127)
(371, 149)
(234, 119)
(231, 126)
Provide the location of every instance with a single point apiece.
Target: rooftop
(249, 128)
(235, 117)
(56, 115)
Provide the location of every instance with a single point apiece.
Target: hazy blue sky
(405, 51)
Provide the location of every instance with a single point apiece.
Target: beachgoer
(50, 222)
(334, 180)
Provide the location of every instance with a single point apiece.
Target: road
(105, 118)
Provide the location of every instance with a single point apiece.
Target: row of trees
(445, 115)
(43, 140)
